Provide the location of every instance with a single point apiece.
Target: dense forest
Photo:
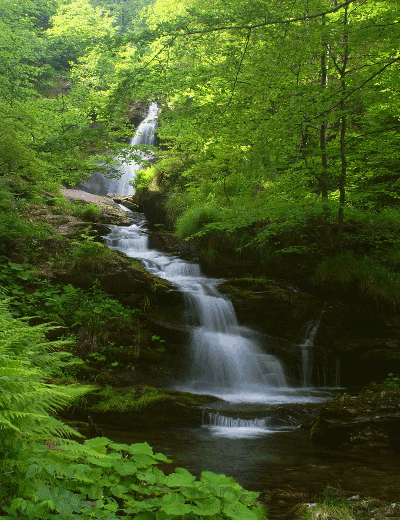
(278, 145)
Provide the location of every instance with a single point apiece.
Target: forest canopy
(281, 118)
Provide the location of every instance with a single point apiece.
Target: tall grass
(365, 274)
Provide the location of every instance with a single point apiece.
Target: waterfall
(308, 342)
(221, 425)
(215, 419)
(221, 358)
(145, 134)
(224, 361)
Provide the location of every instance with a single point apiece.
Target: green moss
(138, 399)
(128, 400)
(315, 429)
(254, 288)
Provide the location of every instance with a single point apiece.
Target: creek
(254, 433)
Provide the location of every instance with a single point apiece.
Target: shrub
(85, 211)
(13, 226)
(107, 480)
(27, 400)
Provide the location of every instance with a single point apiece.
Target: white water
(224, 363)
(235, 428)
(144, 135)
(308, 342)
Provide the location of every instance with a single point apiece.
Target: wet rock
(269, 307)
(369, 422)
(171, 243)
(153, 208)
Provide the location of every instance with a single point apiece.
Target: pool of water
(280, 458)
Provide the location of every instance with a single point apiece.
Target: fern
(27, 400)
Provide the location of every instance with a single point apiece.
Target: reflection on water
(279, 460)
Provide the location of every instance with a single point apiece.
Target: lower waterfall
(222, 360)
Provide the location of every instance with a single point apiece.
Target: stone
(372, 423)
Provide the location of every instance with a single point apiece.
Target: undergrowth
(347, 271)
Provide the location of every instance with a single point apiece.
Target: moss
(315, 429)
(137, 399)
(255, 288)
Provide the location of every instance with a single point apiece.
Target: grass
(89, 255)
(195, 218)
(347, 271)
(329, 508)
(85, 211)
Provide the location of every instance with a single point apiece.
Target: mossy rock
(270, 306)
(148, 405)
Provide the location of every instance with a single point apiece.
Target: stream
(242, 436)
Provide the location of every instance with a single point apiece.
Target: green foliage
(104, 479)
(330, 506)
(144, 178)
(89, 212)
(130, 400)
(48, 477)
(89, 255)
(195, 218)
(365, 275)
(64, 305)
(391, 382)
(13, 226)
(27, 400)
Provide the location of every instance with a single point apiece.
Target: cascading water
(224, 361)
(308, 342)
(221, 425)
(145, 134)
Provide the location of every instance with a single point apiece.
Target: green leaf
(145, 516)
(181, 477)
(239, 511)
(174, 504)
(125, 467)
(207, 506)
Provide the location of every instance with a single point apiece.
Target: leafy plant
(104, 479)
(391, 382)
(89, 254)
(363, 274)
(89, 211)
(26, 398)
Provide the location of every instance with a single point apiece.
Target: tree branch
(240, 66)
(351, 92)
(273, 22)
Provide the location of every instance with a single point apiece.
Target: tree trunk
(323, 181)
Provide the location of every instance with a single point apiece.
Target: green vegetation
(330, 506)
(279, 133)
(45, 476)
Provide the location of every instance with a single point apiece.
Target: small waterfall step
(215, 419)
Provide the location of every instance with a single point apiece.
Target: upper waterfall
(145, 134)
